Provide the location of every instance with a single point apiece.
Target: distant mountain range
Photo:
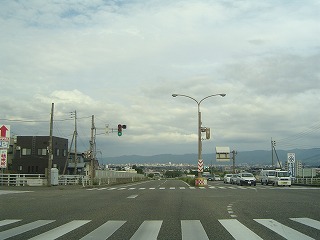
(309, 157)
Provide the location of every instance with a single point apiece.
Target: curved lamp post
(199, 121)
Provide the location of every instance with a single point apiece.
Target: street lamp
(199, 122)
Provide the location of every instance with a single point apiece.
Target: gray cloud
(122, 60)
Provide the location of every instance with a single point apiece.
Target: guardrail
(306, 181)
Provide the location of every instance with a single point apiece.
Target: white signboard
(291, 163)
(222, 154)
(3, 158)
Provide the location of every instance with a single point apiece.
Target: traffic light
(119, 130)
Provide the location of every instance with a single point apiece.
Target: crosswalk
(177, 188)
(149, 229)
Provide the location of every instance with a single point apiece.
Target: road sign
(222, 154)
(3, 158)
(5, 133)
(4, 144)
(291, 158)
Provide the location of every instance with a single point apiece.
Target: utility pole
(92, 149)
(273, 145)
(75, 143)
(68, 155)
(234, 153)
(50, 148)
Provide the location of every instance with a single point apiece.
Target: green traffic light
(119, 134)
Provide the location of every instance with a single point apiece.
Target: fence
(22, 179)
(307, 181)
(107, 177)
(103, 177)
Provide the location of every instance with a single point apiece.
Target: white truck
(267, 176)
(282, 178)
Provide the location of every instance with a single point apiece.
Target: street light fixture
(199, 122)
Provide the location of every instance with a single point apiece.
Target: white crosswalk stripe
(307, 221)
(149, 229)
(282, 230)
(104, 231)
(60, 231)
(24, 228)
(192, 229)
(6, 222)
(238, 230)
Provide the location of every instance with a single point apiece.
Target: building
(30, 154)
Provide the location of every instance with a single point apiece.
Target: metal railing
(102, 178)
(307, 181)
(22, 179)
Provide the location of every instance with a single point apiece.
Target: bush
(190, 181)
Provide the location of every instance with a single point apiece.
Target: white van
(267, 176)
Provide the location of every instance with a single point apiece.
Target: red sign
(4, 130)
(3, 158)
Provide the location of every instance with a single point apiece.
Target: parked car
(227, 178)
(246, 179)
(233, 179)
(217, 178)
(209, 178)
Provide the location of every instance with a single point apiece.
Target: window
(57, 151)
(26, 151)
(64, 152)
(42, 151)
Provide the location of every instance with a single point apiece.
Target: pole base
(200, 182)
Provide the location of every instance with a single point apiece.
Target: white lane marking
(182, 187)
(282, 230)
(148, 230)
(104, 231)
(308, 221)
(24, 228)
(60, 231)
(193, 229)
(142, 188)
(133, 196)
(132, 188)
(152, 188)
(238, 230)
(172, 188)
(162, 188)
(121, 188)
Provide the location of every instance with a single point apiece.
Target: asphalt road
(160, 209)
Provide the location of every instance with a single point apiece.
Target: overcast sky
(122, 60)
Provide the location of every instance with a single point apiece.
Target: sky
(121, 61)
